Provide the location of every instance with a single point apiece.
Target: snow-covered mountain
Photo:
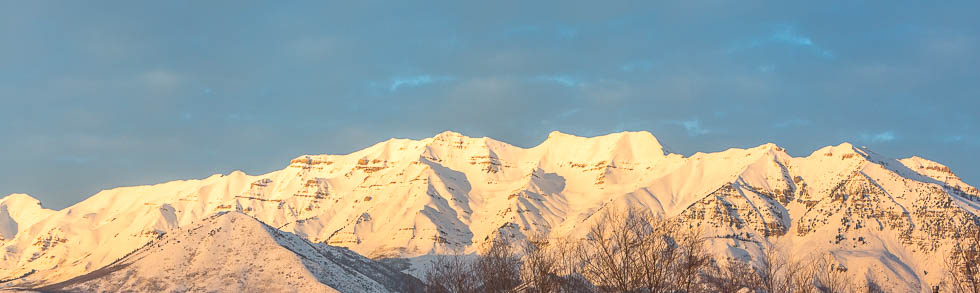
(18, 212)
(233, 252)
(404, 198)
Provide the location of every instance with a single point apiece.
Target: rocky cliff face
(414, 197)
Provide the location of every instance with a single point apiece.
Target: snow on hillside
(408, 198)
(18, 212)
(233, 252)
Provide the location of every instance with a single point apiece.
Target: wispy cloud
(886, 136)
(416, 81)
(569, 113)
(692, 126)
(561, 79)
(790, 36)
(786, 35)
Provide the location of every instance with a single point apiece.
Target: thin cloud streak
(560, 79)
(416, 81)
(886, 136)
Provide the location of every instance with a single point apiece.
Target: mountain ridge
(408, 198)
(233, 252)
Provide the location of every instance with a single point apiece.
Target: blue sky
(103, 94)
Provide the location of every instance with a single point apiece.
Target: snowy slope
(233, 252)
(409, 198)
(17, 213)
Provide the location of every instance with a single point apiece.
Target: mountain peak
(934, 170)
(19, 197)
(770, 146)
(557, 133)
(621, 146)
(635, 136)
(920, 160)
(18, 212)
(448, 134)
(844, 147)
(841, 149)
(455, 138)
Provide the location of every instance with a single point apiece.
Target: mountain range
(893, 219)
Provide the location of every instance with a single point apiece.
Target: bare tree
(832, 277)
(659, 256)
(497, 266)
(611, 250)
(539, 266)
(778, 274)
(963, 264)
(692, 260)
(871, 285)
(549, 265)
(770, 265)
(771, 272)
(451, 274)
(731, 276)
(563, 252)
(800, 276)
(633, 250)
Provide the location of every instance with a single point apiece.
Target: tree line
(633, 251)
